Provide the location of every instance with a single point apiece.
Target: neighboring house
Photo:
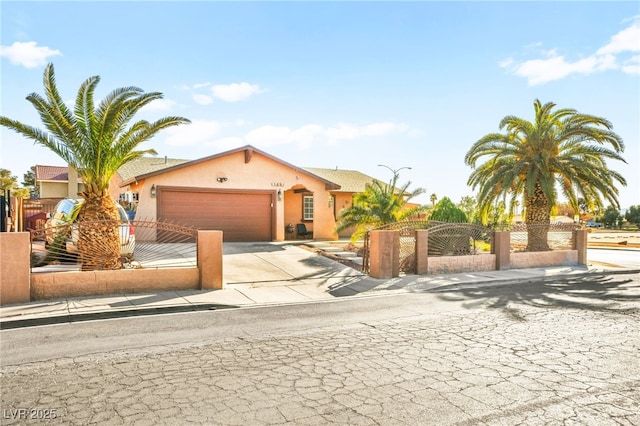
(139, 166)
(57, 181)
(247, 193)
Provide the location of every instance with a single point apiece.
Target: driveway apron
(263, 264)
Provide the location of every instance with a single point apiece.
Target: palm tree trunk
(99, 229)
(537, 219)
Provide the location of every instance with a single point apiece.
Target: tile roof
(248, 152)
(55, 173)
(144, 165)
(349, 180)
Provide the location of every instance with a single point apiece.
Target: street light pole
(394, 171)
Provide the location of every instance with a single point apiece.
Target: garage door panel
(241, 216)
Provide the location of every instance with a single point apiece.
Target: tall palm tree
(561, 150)
(95, 141)
(433, 199)
(377, 205)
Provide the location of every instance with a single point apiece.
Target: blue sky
(333, 84)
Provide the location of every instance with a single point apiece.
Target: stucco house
(57, 181)
(247, 193)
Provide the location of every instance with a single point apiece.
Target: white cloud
(382, 129)
(199, 132)
(159, 105)
(540, 71)
(632, 65)
(201, 85)
(208, 133)
(627, 40)
(306, 135)
(556, 67)
(235, 92)
(27, 54)
(349, 131)
(269, 136)
(187, 88)
(342, 132)
(202, 99)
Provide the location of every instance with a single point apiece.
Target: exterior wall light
(222, 179)
(330, 200)
(153, 191)
(279, 194)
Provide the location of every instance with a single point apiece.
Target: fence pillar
(384, 258)
(210, 259)
(422, 251)
(580, 237)
(15, 273)
(502, 249)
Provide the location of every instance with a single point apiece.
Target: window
(307, 207)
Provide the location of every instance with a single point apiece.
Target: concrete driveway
(282, 265)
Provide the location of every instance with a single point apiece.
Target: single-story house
(245, 192)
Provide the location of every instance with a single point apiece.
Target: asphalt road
(551, 352)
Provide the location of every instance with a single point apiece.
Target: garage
(240, 215)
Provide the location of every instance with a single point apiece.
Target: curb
(121, 313)
(511, 281)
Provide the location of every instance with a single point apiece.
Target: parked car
(593, 224)
(63, 215)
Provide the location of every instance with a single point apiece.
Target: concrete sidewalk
(271, 275)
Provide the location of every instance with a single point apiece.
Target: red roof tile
(58, 173)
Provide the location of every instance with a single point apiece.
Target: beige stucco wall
(458, 264)
(539, 259)
(260, 173)
(343, 201)
(70, 284)
(14, 267)
(114, 187)
(54, 189)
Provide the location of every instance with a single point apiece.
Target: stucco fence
(384, 259)
(19, 285)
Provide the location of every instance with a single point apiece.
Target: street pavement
(562, 351)
(534, 347)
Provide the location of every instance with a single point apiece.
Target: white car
(62, 216)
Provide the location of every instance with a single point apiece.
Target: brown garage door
(242, 216)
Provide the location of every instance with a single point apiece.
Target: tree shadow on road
(605, 293)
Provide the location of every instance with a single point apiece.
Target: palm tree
(95, 141)
(561, 150)
(433, 199)
(377, 205)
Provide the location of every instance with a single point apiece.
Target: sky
(367, 86)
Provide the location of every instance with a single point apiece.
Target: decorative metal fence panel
(407, 242)
(542, 237)
(460, 239)
(142, 244)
